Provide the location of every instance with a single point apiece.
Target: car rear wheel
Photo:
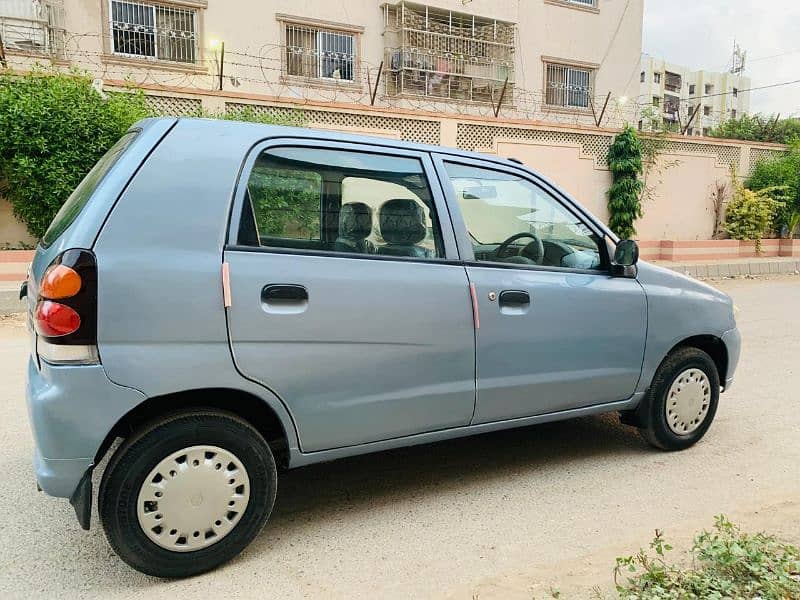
(682, 400)
(187, 493)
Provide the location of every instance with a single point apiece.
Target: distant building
(675, 92)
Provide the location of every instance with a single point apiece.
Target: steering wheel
(533, 251)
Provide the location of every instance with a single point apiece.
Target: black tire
(137, 456)
(655, 428)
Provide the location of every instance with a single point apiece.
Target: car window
(73, 206)
(511, 220)
(340, 201)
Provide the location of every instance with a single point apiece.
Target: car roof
(255, 132)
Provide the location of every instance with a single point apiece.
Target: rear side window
(340, 201)
(74, 205)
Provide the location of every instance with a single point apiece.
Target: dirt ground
(514, 514)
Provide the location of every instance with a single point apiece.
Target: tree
(624, 195)
(759, 128)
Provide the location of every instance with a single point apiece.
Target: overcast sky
(700, 34)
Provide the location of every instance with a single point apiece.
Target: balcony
(441, 54)
(673, 82)
(672, 105)
(33, 26)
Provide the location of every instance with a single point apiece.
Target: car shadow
(362, 483)
(310, 497)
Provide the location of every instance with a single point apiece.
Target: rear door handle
(514, 298)
(284, 292)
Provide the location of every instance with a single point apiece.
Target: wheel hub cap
(193, 498)
(688, 400)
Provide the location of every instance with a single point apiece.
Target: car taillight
(65, 316)
(53, 319)
(60, 281)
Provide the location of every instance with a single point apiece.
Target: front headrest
(355, 221)
(402, 221)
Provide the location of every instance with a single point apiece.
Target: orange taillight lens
(60, 281)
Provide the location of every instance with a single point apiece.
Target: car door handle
(514, 298)
(284, 293)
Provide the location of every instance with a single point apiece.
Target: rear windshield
(78, 199)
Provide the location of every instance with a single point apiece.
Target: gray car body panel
(679, 308)
(162, 327)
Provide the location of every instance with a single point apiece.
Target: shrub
(750, 215)
(781, 171)
(54, 128)
(726, 564)
(624, 195)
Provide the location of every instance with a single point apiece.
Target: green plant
(54, 128)
(781, 170)
(759, 128)
(751, 214)
(793, 224)
(727, 564)
(624, 195)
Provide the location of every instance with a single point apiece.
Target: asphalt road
(503, 515)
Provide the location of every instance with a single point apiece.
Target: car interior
(307, 200)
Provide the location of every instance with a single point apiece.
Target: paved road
(502, 515)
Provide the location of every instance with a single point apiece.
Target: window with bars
(318, 53)
(589, 3)
(568, 86)
(154, 31)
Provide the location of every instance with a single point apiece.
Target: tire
(697, 370)
(192, 491)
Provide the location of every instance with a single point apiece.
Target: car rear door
(557, 331)
(346, 296)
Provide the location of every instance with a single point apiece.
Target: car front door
(556, 330)
(346, 296)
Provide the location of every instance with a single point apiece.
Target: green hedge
(54, 128)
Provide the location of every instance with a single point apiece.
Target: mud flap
(81, 499)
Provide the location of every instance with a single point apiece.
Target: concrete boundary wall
(678, 208)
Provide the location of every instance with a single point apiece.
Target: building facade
(552, 60)
(692, 102)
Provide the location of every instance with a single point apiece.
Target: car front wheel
(187, 493)
(682, 400)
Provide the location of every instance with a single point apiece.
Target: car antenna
(516, 160)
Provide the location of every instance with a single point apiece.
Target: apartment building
(677, 93)
(559, 60)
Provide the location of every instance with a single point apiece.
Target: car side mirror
(626, 255)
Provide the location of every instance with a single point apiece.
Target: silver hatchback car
(231, 299)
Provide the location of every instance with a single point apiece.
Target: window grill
(154, 31)
(318, 53)
(568, 86)
(442, 54)
(590, 3)
(33, 26)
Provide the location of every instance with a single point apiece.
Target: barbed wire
(262, 71)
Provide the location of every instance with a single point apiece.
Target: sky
(700, 34)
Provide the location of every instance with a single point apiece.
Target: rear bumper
(733, 344)
(59, 476)
(71, 410)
